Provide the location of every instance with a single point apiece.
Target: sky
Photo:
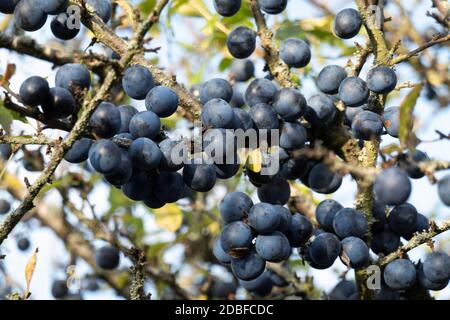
(51, 250)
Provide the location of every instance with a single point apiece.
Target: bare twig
(369, 153)
(305, 288)
(27, 45)
(138, 277)
(77, 244)
(336, 164)
(37, 115)
(417, 240)
(405, 85)
(415, 52)
(362, 55)
(323, 7)
(441, 7)
(29, 140)
(152, 18)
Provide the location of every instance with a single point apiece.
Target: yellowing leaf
(321, 22)
(11, 182)
(9, 72)
(169, 217)
(406, 136)
(214, 227)
(391, 148)
(125, 5)
(29, 270)
(4, 23)
(434, 78)
(298, 189)
(254, 160)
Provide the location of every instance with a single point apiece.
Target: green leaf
(134, 225)
(189, 8)
(406, 135)
(146, 6)
(169, 217)
(7, 116)
(156, 248)
(225, 63)
(170, 122)
(117, 199)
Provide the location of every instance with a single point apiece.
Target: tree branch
(58, 154)
(277, 68)
(141, 268)
(305, 288)
(138, 277)
(369, 153)
(417, 240)
(190, 105)
(28, 46)
(28, 140)
(152, 18)
(362, 55)
(37, 115)
(415, 52)
(337, 165)
(77, 244)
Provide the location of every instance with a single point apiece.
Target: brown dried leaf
(131, 15)
(9, 73)
(29, 270)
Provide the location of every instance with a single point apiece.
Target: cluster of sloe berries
(132, 152)
(341, 232)
(254, 234)
(31, 15)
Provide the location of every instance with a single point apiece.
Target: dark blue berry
(73, 77)
(126, 113)
(264, 218)
(162, 101)
(392, 187)
(381, 80)
(295, 53)
(367, 125)
(145, 154)
(242, 70)
(59, 104)
(199, 177)
(105, 121)
(289, 103)
(104, 156)
(241, 42)
(330, 78)
(137, 82)
(347, 23)
(107, 258)
(227, 8)
(348, 222)
(353, 92)
(29, 16)
(400, 274)
(235, 206)
(260, 91)
(34, 91)
(79, 151)
(216, 89)
(145, 124)
(273, 247)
